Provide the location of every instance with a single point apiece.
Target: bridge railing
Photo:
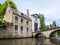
(47, 30)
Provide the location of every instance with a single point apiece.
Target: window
(9, 11)
(27, 22)
(21, 29)
(16, 28)
(16, 19)
(21, 20)
(27, 29)
(22, 14)
(35, 26)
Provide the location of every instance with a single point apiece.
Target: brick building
(22, 23)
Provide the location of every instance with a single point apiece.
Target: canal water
(30, 41)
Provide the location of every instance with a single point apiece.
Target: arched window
(35, 26)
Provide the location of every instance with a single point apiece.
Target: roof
(35, 15)
(20, 14)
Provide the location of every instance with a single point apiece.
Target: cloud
(50, 8)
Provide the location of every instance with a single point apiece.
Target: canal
(30, 41)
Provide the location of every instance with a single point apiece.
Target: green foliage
(42, 22)
(53, 25)
(13, 5)
(4, 23)
(3, 7)
(58, 32)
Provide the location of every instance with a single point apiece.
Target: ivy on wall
(3, 8)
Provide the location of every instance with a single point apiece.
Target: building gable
(8, 14)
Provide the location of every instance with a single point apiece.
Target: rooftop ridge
(17, 12)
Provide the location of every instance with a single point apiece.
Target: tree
(53, 25)
(42, 22)
(4, 23)
(3, 7)
(12, 4)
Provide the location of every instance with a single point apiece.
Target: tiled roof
(15, 11)
(19, 14)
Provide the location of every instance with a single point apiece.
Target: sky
(50, 8)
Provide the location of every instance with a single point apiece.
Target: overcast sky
(50, 8)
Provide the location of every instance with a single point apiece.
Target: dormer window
(22, 14)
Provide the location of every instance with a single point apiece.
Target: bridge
(46, 33)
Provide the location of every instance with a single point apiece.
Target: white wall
(33, 21)
(38, 20)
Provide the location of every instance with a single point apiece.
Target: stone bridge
(47, 33)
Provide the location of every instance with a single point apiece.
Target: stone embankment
(4, 33)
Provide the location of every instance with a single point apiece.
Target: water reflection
(30, 41)
(16, 42)
(55, 41)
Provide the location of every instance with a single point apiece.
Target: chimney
(28, 12)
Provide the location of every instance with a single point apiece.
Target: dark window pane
(16, 27)
(27, 22)
(22, 14)
(35, 26)
(21, 28)
(21, 20)
(16, 18)
(27, 29)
